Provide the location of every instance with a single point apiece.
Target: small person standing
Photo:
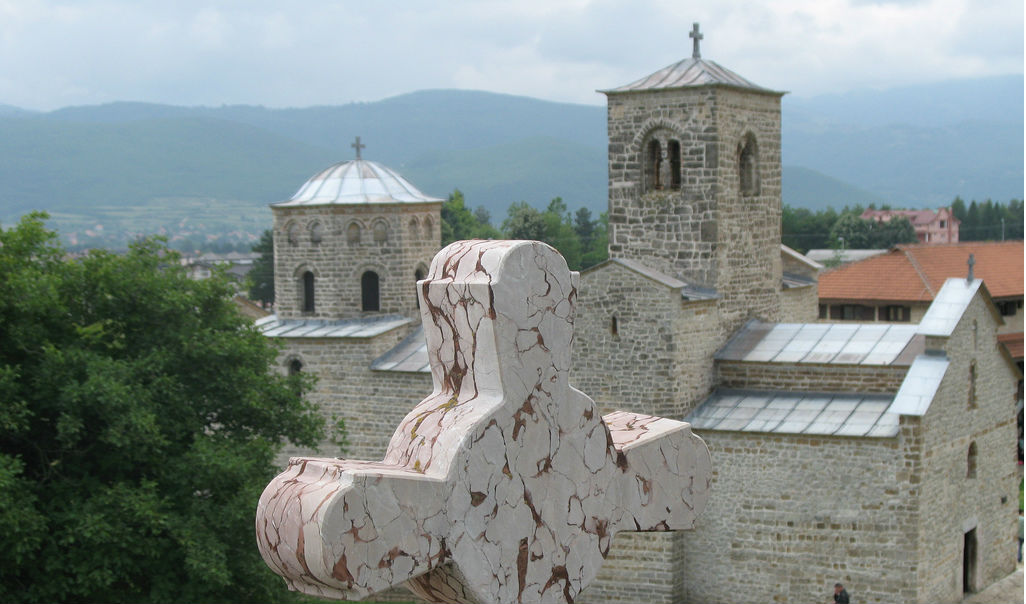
(840, 596)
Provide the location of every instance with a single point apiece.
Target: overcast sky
(296, 54)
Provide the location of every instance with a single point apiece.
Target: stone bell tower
(694, 182)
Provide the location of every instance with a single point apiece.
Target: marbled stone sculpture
(504, 485)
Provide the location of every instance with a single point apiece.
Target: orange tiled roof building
(898, 286)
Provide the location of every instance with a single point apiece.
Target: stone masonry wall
(644, 346)
(790, 515)
(953, 502)
(748, 231)
(659, 362)
(810, 377)
(640, 568)
(412, 235)
(372, 403)
(706, 232)
(799, 304)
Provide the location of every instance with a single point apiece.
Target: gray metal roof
(409, 355)
(796, 413)
(920, 384)
(948, 306)
(355, 182)
(792, 280)
(272, 326)
(845, 256)
(688, 291)
(834, 343)
(688, 73)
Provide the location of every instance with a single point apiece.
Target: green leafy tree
(459, 223)
(851, 232)
(139, 425)
(524, 222)
(898, 229)
(597, 249)
(261, 277)
(803, 230)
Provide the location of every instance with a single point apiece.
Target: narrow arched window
(748, 166)
(653, 158)
(429, 228)
(292, 233)
(972, 384)
(614, 326)
(970, 465)
(295, 367)
(369, 293)
(353, 233)
(414, 228)
(380, 231)
(417, 276)
(316, 233)
(308, 291)
(673, 148)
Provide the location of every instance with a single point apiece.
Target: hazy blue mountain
(11, 110)
(807, 188)
(930, 105)
(142, 164)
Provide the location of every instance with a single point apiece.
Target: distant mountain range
(133, 168)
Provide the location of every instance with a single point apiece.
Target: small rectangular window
(822, 311)
(895, 313)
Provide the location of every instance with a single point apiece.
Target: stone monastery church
(878, 455)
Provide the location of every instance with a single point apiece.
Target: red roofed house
(931, 227)
(898, 286)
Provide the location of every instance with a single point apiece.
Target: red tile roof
(1013, 342)
(915, 273)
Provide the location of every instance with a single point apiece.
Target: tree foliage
(988, 220)
(260, 279)
(581, 239)
(459, 223)
(139, 423)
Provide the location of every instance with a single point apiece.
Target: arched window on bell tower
(653, 158)
(308, 291)
(370, 295)
(748, 166)
(673, 150)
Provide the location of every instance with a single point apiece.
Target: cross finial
(971, 262)
(697, 37)
(357, 146)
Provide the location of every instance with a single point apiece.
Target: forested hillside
(204, 175)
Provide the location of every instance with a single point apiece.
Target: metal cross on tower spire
(357, 146)
(697, 37)
(971, 262)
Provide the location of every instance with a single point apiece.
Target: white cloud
(199, 52)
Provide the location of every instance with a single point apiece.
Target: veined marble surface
(504, 485)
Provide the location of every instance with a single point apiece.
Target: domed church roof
(355, 182)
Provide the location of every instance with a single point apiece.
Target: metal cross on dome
(697, 37)
(358, 146)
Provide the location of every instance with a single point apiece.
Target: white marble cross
(504, 485)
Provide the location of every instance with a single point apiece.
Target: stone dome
(356, 182)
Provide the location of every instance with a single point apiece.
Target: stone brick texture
(707, 232)
(790, 515)
(811, 377)
(412, 236)
(799, 305)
